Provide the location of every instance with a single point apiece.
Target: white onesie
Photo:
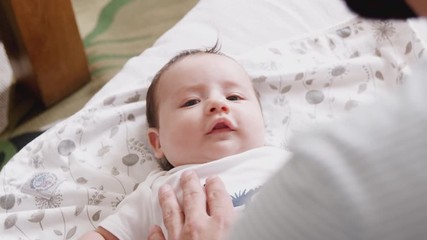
(243, 175)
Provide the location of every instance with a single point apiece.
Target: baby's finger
(155, 233)
(193, 195)
(218, 200)
(173, 217)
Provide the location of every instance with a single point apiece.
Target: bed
(312, 62)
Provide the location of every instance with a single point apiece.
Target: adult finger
(193, 195)
(218, 200)
(173, 216)
(156, 233)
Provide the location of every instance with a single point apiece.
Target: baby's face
(207, 110)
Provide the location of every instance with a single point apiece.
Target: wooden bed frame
(44, 47)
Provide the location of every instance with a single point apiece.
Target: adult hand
(204, 214)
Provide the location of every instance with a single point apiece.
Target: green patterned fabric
(116, 30)
(7, 150)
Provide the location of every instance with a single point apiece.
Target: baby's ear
(154, 140)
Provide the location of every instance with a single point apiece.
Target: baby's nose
(222, 108)
(218, 106)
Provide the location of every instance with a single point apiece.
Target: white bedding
(311, 61)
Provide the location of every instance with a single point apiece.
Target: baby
(203, 114)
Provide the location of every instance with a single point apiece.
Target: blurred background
(109, 31)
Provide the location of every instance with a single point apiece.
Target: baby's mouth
(219, 127)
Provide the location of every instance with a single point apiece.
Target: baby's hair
(152, 104)
(152, 117)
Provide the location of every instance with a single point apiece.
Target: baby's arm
(99, 234)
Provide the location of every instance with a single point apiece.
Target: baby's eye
(234, 98)
(191, 102)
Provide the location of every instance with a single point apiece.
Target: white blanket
(311, 62)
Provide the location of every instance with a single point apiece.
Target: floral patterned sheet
(71, 177)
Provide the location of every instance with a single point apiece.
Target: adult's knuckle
(223, 222)
(191, 194)
(164, 197)
(192, 228)
(170, 213)
(187, 178)
(214, 194)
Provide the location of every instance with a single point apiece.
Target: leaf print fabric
(319, 78)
